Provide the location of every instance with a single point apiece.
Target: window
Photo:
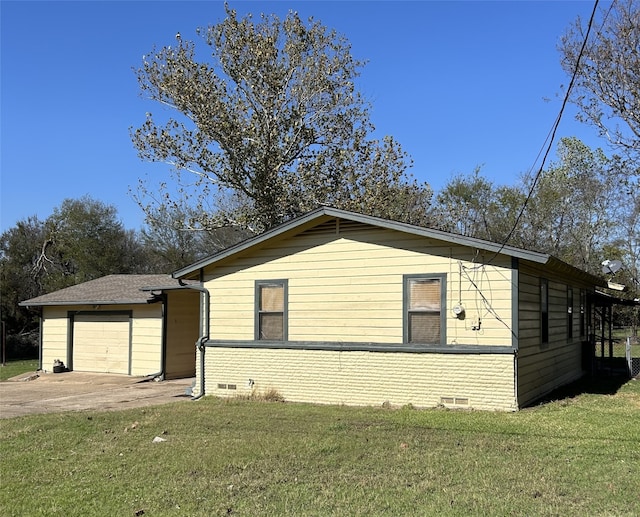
(569, 312)
(424, 315)
(583, 315)
(544, 310)
(271, 310)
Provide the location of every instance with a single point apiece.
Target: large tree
(273, 119)
(568, 214)
(20, 247)
(572, 209)
(607, 92)
(467, 206)
(607, 84)
(84, 240)
(81, 240)
(173, 243)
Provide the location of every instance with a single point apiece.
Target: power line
(552, 132)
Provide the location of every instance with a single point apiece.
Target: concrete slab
(77, 391)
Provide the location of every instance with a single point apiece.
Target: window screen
(424, 310)
(271, 311)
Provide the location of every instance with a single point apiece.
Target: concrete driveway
(76, 391)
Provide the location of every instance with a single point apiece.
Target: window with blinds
(271, 304)
(423, 306)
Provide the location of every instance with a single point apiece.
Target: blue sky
(458, 84)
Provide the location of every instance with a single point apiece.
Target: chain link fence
(633, 356)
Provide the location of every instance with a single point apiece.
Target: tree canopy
(272, 118)
(81, 240)
(607, 86)
(607, 93)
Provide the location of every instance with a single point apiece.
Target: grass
(577, 455)
(13, 368)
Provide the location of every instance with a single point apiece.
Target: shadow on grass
(600, 383)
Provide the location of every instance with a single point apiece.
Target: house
(129, 324)
(341, 308)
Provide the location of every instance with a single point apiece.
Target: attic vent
(328, 228)
(338, 227)
(353, 226)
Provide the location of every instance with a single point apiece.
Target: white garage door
(101, 343)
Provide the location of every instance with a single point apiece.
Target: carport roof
(107, 290)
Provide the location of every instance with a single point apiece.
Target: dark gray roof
(108, 290)
(322, 214)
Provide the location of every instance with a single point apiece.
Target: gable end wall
(345, 285)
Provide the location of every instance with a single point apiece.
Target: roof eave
(294, 224)
(52, 303)
(165, 288)
(325, 213)
(563, 267)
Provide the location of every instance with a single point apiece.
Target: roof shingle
(107, 290)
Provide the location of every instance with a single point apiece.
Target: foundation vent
(227, 386)
(454, 401)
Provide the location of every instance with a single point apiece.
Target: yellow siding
(146, 351)
(365, 378)
(350, 289)
(54, 336)
(183, 319)
(545, 367)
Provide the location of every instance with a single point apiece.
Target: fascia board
(58, 303)
(323, 214)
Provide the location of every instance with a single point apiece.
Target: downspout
(40, 340)
(163, 354)
(204, 315)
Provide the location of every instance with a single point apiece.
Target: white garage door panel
(101, 343)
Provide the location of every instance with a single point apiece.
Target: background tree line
(271, 125)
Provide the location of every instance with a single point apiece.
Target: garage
(102, 342)
(139, 325)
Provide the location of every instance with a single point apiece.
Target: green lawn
(13, 368)
(579, 455)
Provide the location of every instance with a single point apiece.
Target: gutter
(204, 315)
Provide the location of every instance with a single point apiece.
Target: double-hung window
(583, 309)
(544, 310)
(424, 309)
(271, 310)
(569, 312)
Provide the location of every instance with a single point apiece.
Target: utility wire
(553, 131)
